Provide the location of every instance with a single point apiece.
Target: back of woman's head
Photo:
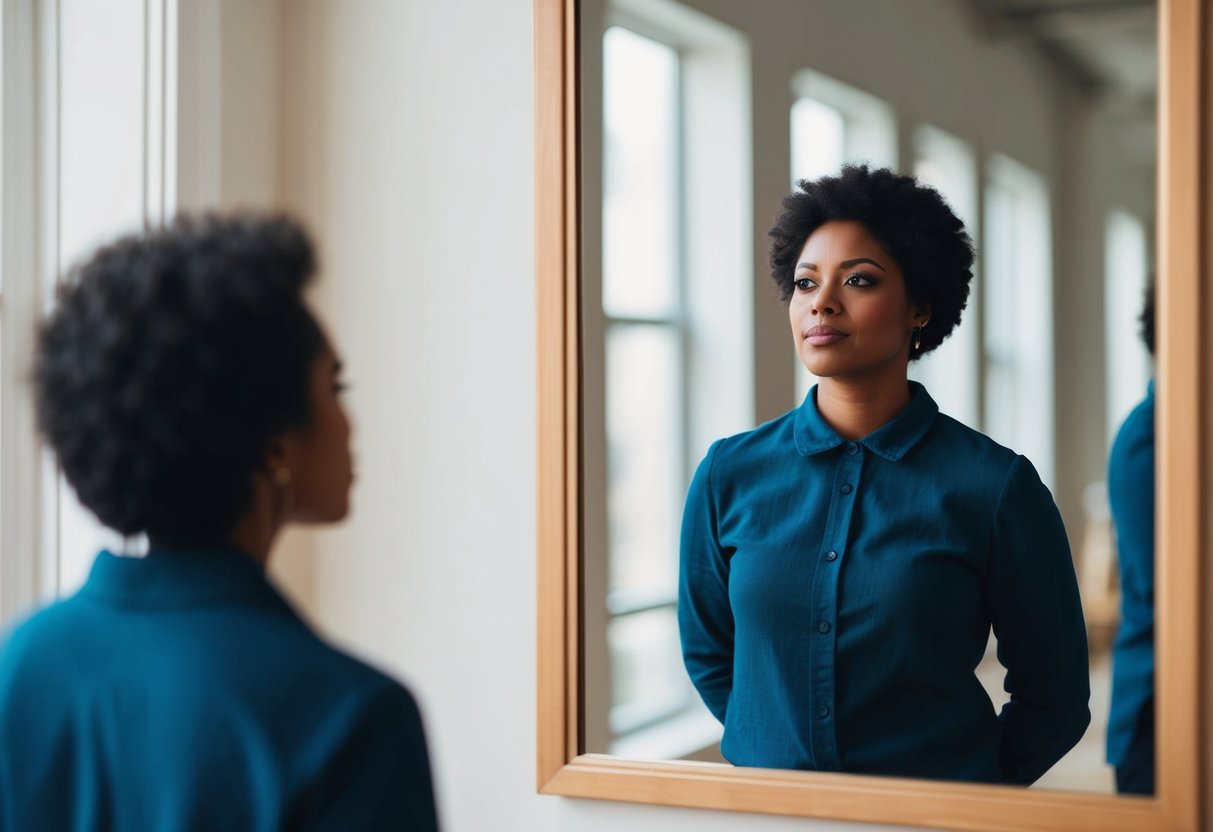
(170, 362)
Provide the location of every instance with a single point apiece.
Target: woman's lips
(823, 336)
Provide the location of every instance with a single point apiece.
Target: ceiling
(1109, 47)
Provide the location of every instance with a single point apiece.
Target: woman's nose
(825, 299)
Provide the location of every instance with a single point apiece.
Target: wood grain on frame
(1185, 379)
(1204, 231)
(1179, 495)
(556, 406)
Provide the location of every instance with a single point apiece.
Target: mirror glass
(1034, 119)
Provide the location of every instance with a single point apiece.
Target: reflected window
(1018, 312)
(817, 139)
(834, 122)
(951, 371)
(1126, 270)
(640, 182)
(645, 337)
(676, 344)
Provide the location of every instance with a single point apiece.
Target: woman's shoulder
(768, 440)
(1137, 430)
(47, 635)
(356, 671)
(952, 435)
(35, 635)
(973, 458)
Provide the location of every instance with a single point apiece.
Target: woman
(188, 393)
(1131, 498)
(842, 565)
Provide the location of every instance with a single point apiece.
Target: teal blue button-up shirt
(1131, 498)
(180, 691)
(836, 597)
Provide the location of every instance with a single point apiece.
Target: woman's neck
(858, 407)
(244, 538)
(255, 532)
(254, 540)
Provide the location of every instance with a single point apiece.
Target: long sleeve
(1037, 618)
(1131, 495)
(705, 618)
(1131, 498)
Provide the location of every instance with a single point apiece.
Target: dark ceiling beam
(1040, 10)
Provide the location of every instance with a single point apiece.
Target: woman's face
(318, 454)
(850, 314)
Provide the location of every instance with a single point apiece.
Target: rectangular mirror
(616, 708)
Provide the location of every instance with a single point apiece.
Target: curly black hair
(171, 360)
(910, 220)
(1147, 316)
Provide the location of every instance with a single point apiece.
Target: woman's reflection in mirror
(842, 565)
(1131, 499)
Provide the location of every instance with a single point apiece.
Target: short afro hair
(171, 360)
(1147, 316)
(910, 220)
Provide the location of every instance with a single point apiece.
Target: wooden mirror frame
(1185, 382)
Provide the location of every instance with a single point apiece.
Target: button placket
(826, 583)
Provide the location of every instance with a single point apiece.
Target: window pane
(1126, 263)
(644, 458)
(869, 124)
(817, 139)
(648, 681)
(640, 230)
(1018, 316)
(950, 372)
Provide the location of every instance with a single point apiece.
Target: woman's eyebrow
(845, 264)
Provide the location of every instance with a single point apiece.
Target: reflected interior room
(1036, 121)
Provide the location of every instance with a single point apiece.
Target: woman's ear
(277, 456)
(922, 314)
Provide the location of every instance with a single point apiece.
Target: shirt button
(823, 626)
(831, 555)
(852, 448)
(823, 711)
(846, 489)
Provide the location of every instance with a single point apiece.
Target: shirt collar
(891, 441)
(167, 579)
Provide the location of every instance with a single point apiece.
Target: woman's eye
(858, 279)
(804, 284)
